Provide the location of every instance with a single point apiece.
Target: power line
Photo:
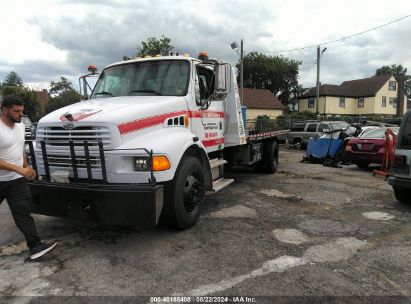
(340, 39)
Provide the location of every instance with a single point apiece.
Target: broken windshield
(146, 78)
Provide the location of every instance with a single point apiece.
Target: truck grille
(63, 161)
(58, 136)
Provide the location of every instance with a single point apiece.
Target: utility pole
(242, 72)
(317, 96)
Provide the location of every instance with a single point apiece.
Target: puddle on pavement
(290, 236)
(334, 251)
(13, 249)
(239, 211)
(279, 194)
(377, 215)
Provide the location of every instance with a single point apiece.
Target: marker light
(161, 163)
(203, 56)
(186, 121)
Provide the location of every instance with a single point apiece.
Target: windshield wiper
(104, 93)
(147, 91)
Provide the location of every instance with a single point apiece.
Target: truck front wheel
(184, 194)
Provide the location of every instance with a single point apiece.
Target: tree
(28, 96)
(12, 80)
(154, 46)
(62, 94)
(397, 71)
(276, 73)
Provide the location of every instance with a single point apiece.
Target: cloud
(101, 32)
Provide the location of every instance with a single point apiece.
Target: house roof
(352, 88)
(261, 99)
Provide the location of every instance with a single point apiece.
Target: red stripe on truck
(147, 122)
(213, 142)
(152, 121)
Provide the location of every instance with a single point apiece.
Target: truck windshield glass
(147, 78)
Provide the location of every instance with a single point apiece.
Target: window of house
(384, 101)
(392, 86)
(394, 102)
(312, 127)
(342, 102)
(311, 102)
(361, 102)
(390, 100)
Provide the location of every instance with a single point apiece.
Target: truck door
(208, 114)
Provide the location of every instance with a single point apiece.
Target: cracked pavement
(305, 231)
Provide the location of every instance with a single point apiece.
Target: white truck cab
(151, 140)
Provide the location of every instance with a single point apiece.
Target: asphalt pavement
(307, 233)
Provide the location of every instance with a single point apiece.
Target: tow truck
(151, 140)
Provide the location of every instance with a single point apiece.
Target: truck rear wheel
(184, 194)
(270, 156)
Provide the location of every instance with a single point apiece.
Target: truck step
(216, 162)
(221, 183)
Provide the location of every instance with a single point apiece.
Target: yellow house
(261, 102)
(374, 95)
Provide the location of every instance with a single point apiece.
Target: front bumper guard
(95, 200)
(124, 205)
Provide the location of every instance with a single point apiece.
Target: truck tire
(402, 195)
(183, 195)
(270, 156)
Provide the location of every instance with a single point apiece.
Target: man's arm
(24, 171)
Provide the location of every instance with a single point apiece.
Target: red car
(368, 148)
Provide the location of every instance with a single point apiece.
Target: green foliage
(62, 94)
(264, 122)
(154, 46)
(12, 80)
(276, 73)
(396, 71)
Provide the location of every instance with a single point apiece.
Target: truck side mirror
(222, 74)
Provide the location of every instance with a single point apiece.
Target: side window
(406, 135)
(205, 82)
(197, 91)
(312, 128)
(323, 127)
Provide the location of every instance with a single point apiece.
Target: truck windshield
(159, 78)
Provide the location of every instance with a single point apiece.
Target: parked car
(400, 178)
(30, 127)
(368, 148)
(300, 133)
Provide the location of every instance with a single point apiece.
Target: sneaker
(41, 250)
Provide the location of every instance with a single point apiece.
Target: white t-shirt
(11, 148)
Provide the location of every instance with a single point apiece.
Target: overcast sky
(44, 39)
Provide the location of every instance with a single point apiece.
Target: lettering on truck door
(209, 122)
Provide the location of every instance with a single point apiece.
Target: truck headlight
(141, 164)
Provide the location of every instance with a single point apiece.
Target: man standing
(15, 171)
